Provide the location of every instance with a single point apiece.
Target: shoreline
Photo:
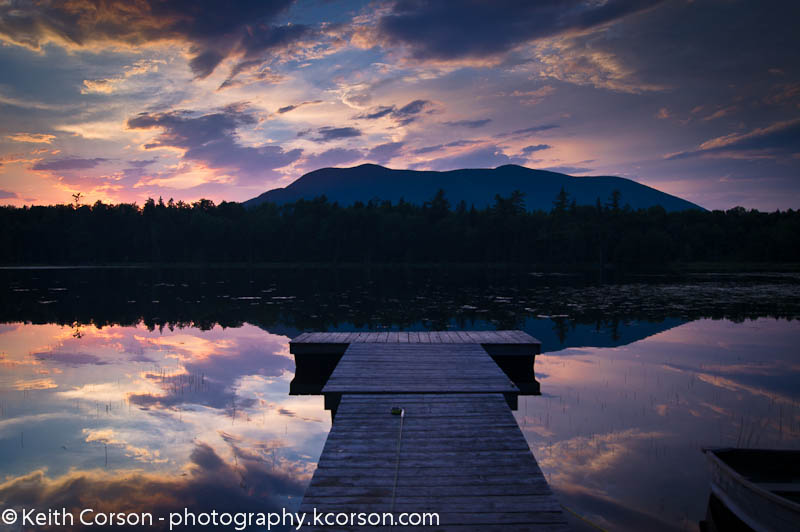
(534, 269)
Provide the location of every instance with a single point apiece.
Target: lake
(147, 389)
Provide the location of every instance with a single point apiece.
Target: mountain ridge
(474, 186)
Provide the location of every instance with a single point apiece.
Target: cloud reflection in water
(187, 417)
(618, 431)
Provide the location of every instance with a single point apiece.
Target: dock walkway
(456, 450)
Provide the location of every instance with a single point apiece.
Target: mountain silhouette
(476, 187)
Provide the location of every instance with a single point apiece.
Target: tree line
(607, 234)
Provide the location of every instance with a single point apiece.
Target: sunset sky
(123, 100)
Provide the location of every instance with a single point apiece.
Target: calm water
(155, 390)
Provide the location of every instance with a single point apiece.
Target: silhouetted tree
(568, 236)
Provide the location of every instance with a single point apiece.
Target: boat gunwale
(710, 453)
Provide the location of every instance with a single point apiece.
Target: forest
(606, 235)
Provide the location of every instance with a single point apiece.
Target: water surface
(160, 389)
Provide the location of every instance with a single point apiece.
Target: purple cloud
(534, 129)
(329, 133)
(332, 157)
(212, 33)
(383, 153)
(404, 115)
(472, 124)
(527, 150)
(58, 165)
(449, 30)
(212, 139)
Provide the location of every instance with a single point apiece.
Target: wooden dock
(456, 450)
(417, 368)
(317, 355)
(499, 342)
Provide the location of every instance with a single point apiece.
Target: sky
(120, 101)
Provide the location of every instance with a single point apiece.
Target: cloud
(378, 112)
(332, 157)
(329, 133)
(527, 150)
(534, 129)
(34, 138)
(109, 437)
(22, 103)
(483, 157)
(439, 147)
(70, 359)
(219, 365)
(578, 61)
(109, 85)
(98, 86)
(472, 124)
(780, 138)
(212, 32)
(588, 458)
(452, 31)
(212, 140)
(35, 384)
(534, 97)
(5, 194)
(59, 165)
(292, 107)
(208, 482)
(261, 42)
(141, 164)
(409, 112)
(383, 153)
(403, 115)
(719, 113)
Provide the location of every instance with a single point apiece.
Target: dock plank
(478, 475)
(393, 368)
(481, 337)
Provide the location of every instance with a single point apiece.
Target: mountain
(475, 186)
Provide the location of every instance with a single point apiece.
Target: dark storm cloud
(455, 29)
(404, 115)
(332, 157)
(58, 165)
(484, 157)
(472, 124)
(329, 133)
(383, 153)
(263, 40)
(209, 482)
(781, 138)
(527, 150)
(213, 30)
(714, 49)
(212, 139)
